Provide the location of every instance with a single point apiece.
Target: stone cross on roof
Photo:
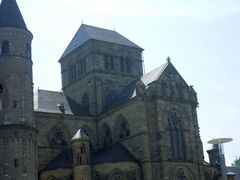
(168, 59)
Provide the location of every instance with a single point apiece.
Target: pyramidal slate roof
(80, 135)
(87, 32)
(10, 15)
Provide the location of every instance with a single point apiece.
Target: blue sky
(201, 37)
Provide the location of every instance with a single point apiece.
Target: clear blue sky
(202, 37)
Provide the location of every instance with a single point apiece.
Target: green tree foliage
(236, 162)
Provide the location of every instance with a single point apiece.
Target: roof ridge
(49, 90)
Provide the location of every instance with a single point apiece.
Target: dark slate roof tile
(86, 32)
(62, 160)
(50, 102)
(234, 169)
(114, 153)
(10, 15)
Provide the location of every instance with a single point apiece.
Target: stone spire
(10, 15)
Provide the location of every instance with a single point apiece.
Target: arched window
(121, 128)
(5, 47)
(180, 174)
(83, 148)
(106, 134)
(57, 137)
(177, 145)
(85, 101)
(117, 175)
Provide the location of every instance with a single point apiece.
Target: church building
(110, 121)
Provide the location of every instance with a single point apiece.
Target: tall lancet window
(176, 137)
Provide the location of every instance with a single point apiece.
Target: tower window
(125, 64)
(5, 47)
(83, 148)
(16, 162)
(122, 64)
(128, 65)
(84, 65)
(1, 88)
(28, 51)
(108, 62)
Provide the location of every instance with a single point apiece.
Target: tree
(236, 162)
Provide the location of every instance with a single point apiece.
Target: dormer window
(5, 47)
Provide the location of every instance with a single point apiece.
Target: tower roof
(80, 135)
(10, 15)
(87, 32)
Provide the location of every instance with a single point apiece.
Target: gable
(168, 83)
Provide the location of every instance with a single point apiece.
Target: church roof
(130, 91)
(87, 32)
(10, 15)
(80, 135)
(113, 153)
(62, 160)
(233, 169)
(56, 102)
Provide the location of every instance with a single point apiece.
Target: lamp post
(219, 142)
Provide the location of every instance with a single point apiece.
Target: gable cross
(168, 59)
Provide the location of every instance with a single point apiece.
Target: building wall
(68, 125)
(96, 69)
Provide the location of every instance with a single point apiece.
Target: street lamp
(219, 142)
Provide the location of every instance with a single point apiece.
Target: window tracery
(177, 145)
(56, 137)
(181, 175)
(122, 128)
(117, 175)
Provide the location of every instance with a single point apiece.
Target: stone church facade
(109, 122)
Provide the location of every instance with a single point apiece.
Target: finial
(114, 29)
(82, 21)
(168, 59)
